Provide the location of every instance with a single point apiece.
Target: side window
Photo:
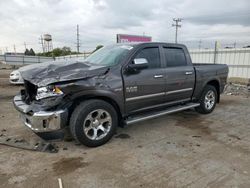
(152, 55)
(175, 57)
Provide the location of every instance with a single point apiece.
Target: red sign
(122, 38)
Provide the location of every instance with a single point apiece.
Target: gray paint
(59, 71)
(80, 80)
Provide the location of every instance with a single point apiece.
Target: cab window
(152, 55)
(175, 57)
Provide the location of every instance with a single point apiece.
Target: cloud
(232, 18)
(100, 20)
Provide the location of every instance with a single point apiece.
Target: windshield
(109, 55)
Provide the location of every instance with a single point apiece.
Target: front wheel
(93, 122)
(208, 100)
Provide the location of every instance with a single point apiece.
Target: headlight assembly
(48, 91)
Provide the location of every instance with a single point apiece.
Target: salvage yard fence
(237, 59)
(84, 55)
(23, 59)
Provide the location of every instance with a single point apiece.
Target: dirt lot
(180, 150)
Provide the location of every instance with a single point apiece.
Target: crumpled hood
(43, 74)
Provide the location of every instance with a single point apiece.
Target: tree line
(56, 52)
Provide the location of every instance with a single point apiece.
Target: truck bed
(206, 72)
(209, 68)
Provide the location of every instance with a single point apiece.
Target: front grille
(29, 93)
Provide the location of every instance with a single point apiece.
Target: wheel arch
(77, 100)
(216, 84)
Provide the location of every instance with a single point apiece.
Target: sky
(203, 22)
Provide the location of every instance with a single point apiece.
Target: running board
(170, 110)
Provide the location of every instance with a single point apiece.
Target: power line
(176, 25)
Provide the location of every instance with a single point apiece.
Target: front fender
(116, 97)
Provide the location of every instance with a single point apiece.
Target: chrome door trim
(178, 91)
(145, 96)
(157, 94)
(162, 105)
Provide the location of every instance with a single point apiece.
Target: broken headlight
(48, 91)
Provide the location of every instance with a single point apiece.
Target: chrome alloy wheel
(209, 100)
(97, 124)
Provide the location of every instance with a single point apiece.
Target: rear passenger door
(180, 76)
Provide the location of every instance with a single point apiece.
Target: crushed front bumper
(40, 121)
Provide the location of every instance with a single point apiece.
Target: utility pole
(14, 47)
(176, 25)
(199, 44)
(77, 39)
(25, 46)
(215, 51)
(234, 44)
(41, 42)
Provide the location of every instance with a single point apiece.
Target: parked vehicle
(16, 78)
(118, 84)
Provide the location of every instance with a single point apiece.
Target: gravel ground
(237, 89)
(185, 149)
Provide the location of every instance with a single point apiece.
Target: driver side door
(145, 88)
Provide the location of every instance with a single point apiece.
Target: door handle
(158, 76)
(189, 73)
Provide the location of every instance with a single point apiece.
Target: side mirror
(139, 63)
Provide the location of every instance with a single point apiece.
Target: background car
(16, 78)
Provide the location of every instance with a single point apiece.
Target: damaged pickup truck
(118, 84)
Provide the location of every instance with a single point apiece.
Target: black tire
(203, 109)
(78, 119)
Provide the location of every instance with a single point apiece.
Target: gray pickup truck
(117, 85)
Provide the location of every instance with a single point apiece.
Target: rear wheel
(93, 122)
(208, 100)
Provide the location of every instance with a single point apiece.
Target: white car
(16, 78)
